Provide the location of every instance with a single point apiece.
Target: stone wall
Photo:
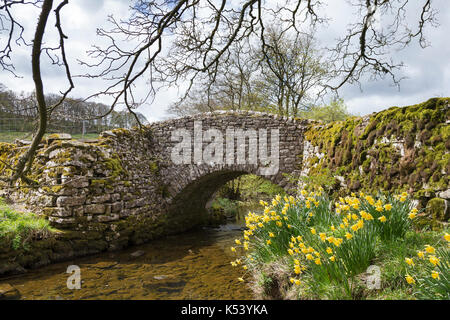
(396, 150)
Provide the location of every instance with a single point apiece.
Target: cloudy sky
(427, 71)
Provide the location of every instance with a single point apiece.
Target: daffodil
(313, 231)
(329, 250)
(271, 235)
(237, 241)
(420, 254)
(434, 260)
(410, 279)
(409, 261)
(348, 235)
(411, 215)
(429, 249)
(233, 249)
(333, 258)
(382, 219)
(268, 242)
(447, 237)
(241, 279)
(388, 207)
(317, 261)
(435, 275)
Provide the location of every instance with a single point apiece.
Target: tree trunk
(40, 97)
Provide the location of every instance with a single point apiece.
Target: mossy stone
(437, 209)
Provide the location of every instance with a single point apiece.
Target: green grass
(17, 229)
(10, 136)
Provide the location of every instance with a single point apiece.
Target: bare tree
(294, 73)
(25, 161)
(189, 40)
(168, 41)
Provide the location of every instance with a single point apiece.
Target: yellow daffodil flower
(435, 275)
(429, 249)
(410, 279)
(409, 261)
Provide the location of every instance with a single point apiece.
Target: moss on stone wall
(399, 149)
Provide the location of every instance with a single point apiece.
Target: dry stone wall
(396, 150)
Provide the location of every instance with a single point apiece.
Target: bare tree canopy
(189, 40)
(169, 42)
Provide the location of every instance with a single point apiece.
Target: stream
(193, 265)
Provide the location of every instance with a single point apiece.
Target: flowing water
(193, 265)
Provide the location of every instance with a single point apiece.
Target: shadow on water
(192, 265)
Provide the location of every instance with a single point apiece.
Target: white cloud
(428, 70)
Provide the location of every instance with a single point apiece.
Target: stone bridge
(133, 185)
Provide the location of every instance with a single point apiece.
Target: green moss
(114, 164)
(349, 145)
(436, 209)
(153, 166)
(98, 182)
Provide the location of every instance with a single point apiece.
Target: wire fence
(22, 128)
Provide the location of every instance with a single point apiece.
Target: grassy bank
(17, 229)
(359, 247)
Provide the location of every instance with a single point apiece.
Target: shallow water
(193, 265)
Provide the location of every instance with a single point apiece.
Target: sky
(427, 71)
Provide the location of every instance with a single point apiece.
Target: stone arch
(188, 205)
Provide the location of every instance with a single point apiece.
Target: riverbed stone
(8, 292)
